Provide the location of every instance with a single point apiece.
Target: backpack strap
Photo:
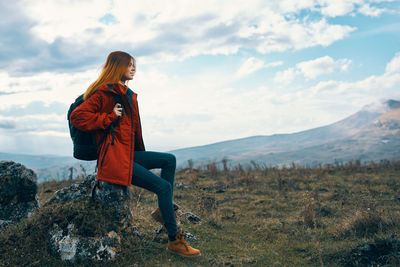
(117, 97)
(117, 100)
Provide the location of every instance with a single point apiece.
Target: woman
(122, 158)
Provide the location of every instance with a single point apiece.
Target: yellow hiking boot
(156, 214)
(180, 247)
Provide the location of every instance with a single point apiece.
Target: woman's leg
(152, 160)
(162, 186)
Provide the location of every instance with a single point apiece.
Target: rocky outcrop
(116, 198)
(18, 192)
(75, 191)
(70, 241)
(81, 223)
(69, 245)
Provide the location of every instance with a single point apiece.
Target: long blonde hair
(112, 71)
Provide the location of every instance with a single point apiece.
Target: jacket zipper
(104, 155)
(130, 155)
(140, 127)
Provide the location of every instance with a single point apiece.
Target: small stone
(160, 230)
(180, 185)
(192, 217)
(188, 236)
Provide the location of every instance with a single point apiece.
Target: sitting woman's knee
(171, 159)
(166, 188)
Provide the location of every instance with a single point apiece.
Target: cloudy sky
(207, 71)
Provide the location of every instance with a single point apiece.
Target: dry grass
(257, 215)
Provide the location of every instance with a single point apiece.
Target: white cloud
(37, 123)
(61, 35)
(46, 86)
(372, 84)
(179, 111)
(368, 10)
(160, 31)
(322, 65)
(176, 111)
(338, 7)
(327, 8)
(253, 64)
(65, 19)
(279, 34)
(285, 76)
(311, 69)
(394, 65)
(49, 133)
(274, 64)
(291, 6)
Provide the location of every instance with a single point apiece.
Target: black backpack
(85, 147)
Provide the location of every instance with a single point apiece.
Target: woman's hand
(118, 110)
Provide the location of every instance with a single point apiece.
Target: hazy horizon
(206, 72)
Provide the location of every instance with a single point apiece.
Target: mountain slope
(37, 161)
(48, 167)
(363, 135)
(373, 133)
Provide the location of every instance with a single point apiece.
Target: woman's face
(130, 70)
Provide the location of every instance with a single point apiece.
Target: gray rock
(74, 191)
(112, 196)
(18, 191)
(188, 236)
(160, 235)
(160, 230)
(193, 218)
(117, 198)
(74, 248)
(180, 185)
(3, 224)
(69, 245)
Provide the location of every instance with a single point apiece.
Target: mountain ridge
(264, 148)
(372, 133)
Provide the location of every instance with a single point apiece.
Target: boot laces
(182, 240)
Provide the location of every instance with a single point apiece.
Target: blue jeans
(163, 186)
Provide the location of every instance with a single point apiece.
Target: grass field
(343, 215)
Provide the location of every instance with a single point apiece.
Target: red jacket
(96, 114)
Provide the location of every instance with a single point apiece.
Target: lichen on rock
(75, 248)
(85, 228)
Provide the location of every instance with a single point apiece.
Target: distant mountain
(370, 134)
(48, 167)
(37, 161)
(373, 133)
